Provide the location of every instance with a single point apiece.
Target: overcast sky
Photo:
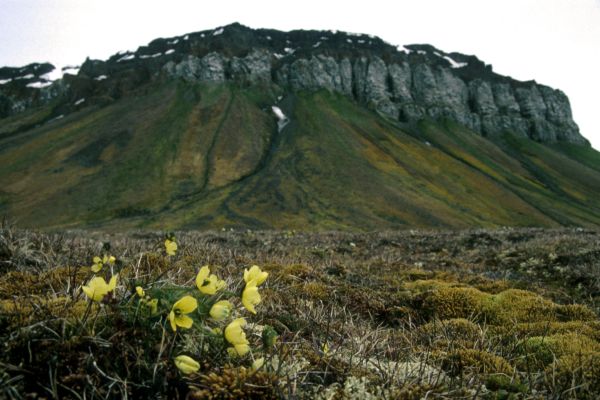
(555, 42)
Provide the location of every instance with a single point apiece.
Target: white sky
(555, 42)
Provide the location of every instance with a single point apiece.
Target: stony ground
(497, 314)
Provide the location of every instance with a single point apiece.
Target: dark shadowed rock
(417, 82)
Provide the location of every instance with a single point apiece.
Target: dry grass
(505, 314)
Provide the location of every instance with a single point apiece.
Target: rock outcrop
(407, 84)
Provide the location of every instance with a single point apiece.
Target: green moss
(450, 333)
(515, 305)
(452, 302)
(577, 376)
(541, 351)
(470, 361)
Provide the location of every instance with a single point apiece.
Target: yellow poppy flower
(250, 296)
(99, 262)
(221, 310)
(140, 291)
(153, 304)
(186, 364)
(178, 317)
(255, 274)
(170, 247)
(258, 363)
(97, 287)
(235, 335)
(208, 283)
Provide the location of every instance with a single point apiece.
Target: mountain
(235, 127)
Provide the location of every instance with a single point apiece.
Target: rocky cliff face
(406, 84)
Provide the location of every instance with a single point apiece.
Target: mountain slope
(205, 155)
(153, 145)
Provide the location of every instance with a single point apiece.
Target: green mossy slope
(210, 156)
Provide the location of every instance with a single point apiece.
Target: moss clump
(466, 361)
(576, 312)
(22, 312)
(453, 302)
(232, 383)
(450, 333)
(316, 290)
(542, 351)
(515, 305)
(421, 286)
(504, 387)
(576, 376)
(411, 392)
(55, 280)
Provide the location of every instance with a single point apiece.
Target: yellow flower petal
(186, 304)
(258, 363)
(255, 274)
(140, 291)
(96, 267)
(184, 321)
(202, 277)
(111, 260)
(170, 247)
(241, 349)
(234, 333)
(112, 284)
(172, 321)
(186, 365)
(96, 288)
(221, 310)
(97, 260)
(250, 297)
(153, 304)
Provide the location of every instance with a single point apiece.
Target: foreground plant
(178, 317)
(187, 365)
(100, 262)
(97, 287)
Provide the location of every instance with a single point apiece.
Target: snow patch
(218, 32)
(78, 102)
(349, 40)
(170, 51)
(437, 54)
(145, 56)
(354, 34)
(454, 64)
(126, 57)
(427, 143)
(61, 116)
(316, 45)
(5, 81)
(28, 76)
(402, 48)
(289, 50)
(173, 42)
(202, 35)
(282, 120)
(100, 78)
(422, 52)
(39, 85)
(186, 37)
(361, 41)
(278, 56)
(269, 38)
(70, 69)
